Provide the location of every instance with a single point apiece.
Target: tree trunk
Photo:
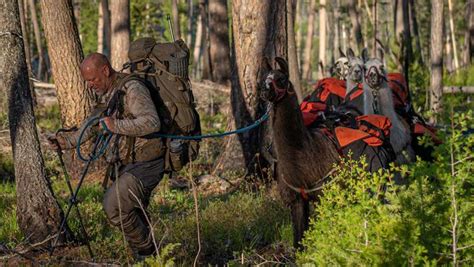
(38, 213)
(259, 32)
(292, 55)
(322, 38)
(175, 14)
(449, 52)
(309, 41)
(414, 23)
(299, 33)
(189, 36)
(206, 59)
(26, 44)
(356, 29)
(39, 46)
(65, 52)
(407, 47)
(398, 20)
(468, 34)
(103, 28)
(337, 30)
(471, 30)
(197, 45)
(219, 41)
(436, 57)
(120, 32)
(453, 35)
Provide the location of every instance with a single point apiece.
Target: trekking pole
(73, 199)
(67, 178)
(168, 17)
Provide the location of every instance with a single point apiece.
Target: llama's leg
(300, 220)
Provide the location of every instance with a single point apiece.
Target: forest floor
(238, 224)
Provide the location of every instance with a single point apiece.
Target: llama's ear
(365, 55)
(283, 65)
(380, 54)
(350, 53)
(341, 52)
(266, 64)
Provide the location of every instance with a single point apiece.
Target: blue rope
(216, 135)
(102, 141)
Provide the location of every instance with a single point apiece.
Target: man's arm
(144, 119)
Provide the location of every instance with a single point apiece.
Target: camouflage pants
(127, 198)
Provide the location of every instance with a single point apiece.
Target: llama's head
(375, 73)
(341, 66)
(356, 67)
(277, 82)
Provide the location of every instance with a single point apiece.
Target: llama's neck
(382, 104)
(350, 85)
(288, 126)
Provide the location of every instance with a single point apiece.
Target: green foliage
(368, 220)
(87, 24)
(9, 231)
(48, 118)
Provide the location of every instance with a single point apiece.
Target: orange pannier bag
(311, 111)
(372, 129)
(398, 84)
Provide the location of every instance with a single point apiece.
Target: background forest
(238, 218)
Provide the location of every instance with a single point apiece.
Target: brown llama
(305, 157)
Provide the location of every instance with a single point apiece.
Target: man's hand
(109, 123)
(54, 142)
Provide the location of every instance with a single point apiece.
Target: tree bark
(65, 52)
(175, 13)
(259, 31)
(449, 52)
(436, 57)
(292, 55)
(36, 29)
(219, 41)
(414, 23)
(322, 38)
(337, 29)
(197, 45)
(189, 36)
(407, 47)
(398, 20)
(206, 59)
(309, 41)
(453, 35)
(26, 44)
(120, 32)
(469, 34)
(38, 213)
(299, 33)
(356, 29)
(103, 28)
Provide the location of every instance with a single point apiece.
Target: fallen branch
(458, 89)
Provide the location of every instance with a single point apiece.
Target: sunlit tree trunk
(219, 41)
(175, 13)
(38, 213)
(65, 53)
(120, 32)
(26, 44)
(309, 41)
(299, 34)
(407, 47)
(206, 60)
(436, 58)
(337, 29)
(103, 28)
(453, 35)
(189, 36)
(292, 55)
(322, 38)
(259, 31)
(197, 45)
(449, 49)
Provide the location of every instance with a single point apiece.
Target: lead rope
(375, 104)
(304, 192)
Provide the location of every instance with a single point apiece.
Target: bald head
(97, 72)
(95, 61)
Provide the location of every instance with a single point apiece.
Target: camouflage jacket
(135, 118)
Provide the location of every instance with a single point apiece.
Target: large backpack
(163, 67)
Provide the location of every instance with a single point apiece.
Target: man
(138, 162)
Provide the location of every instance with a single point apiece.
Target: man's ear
(106, 71)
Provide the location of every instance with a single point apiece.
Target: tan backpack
(163, 67)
